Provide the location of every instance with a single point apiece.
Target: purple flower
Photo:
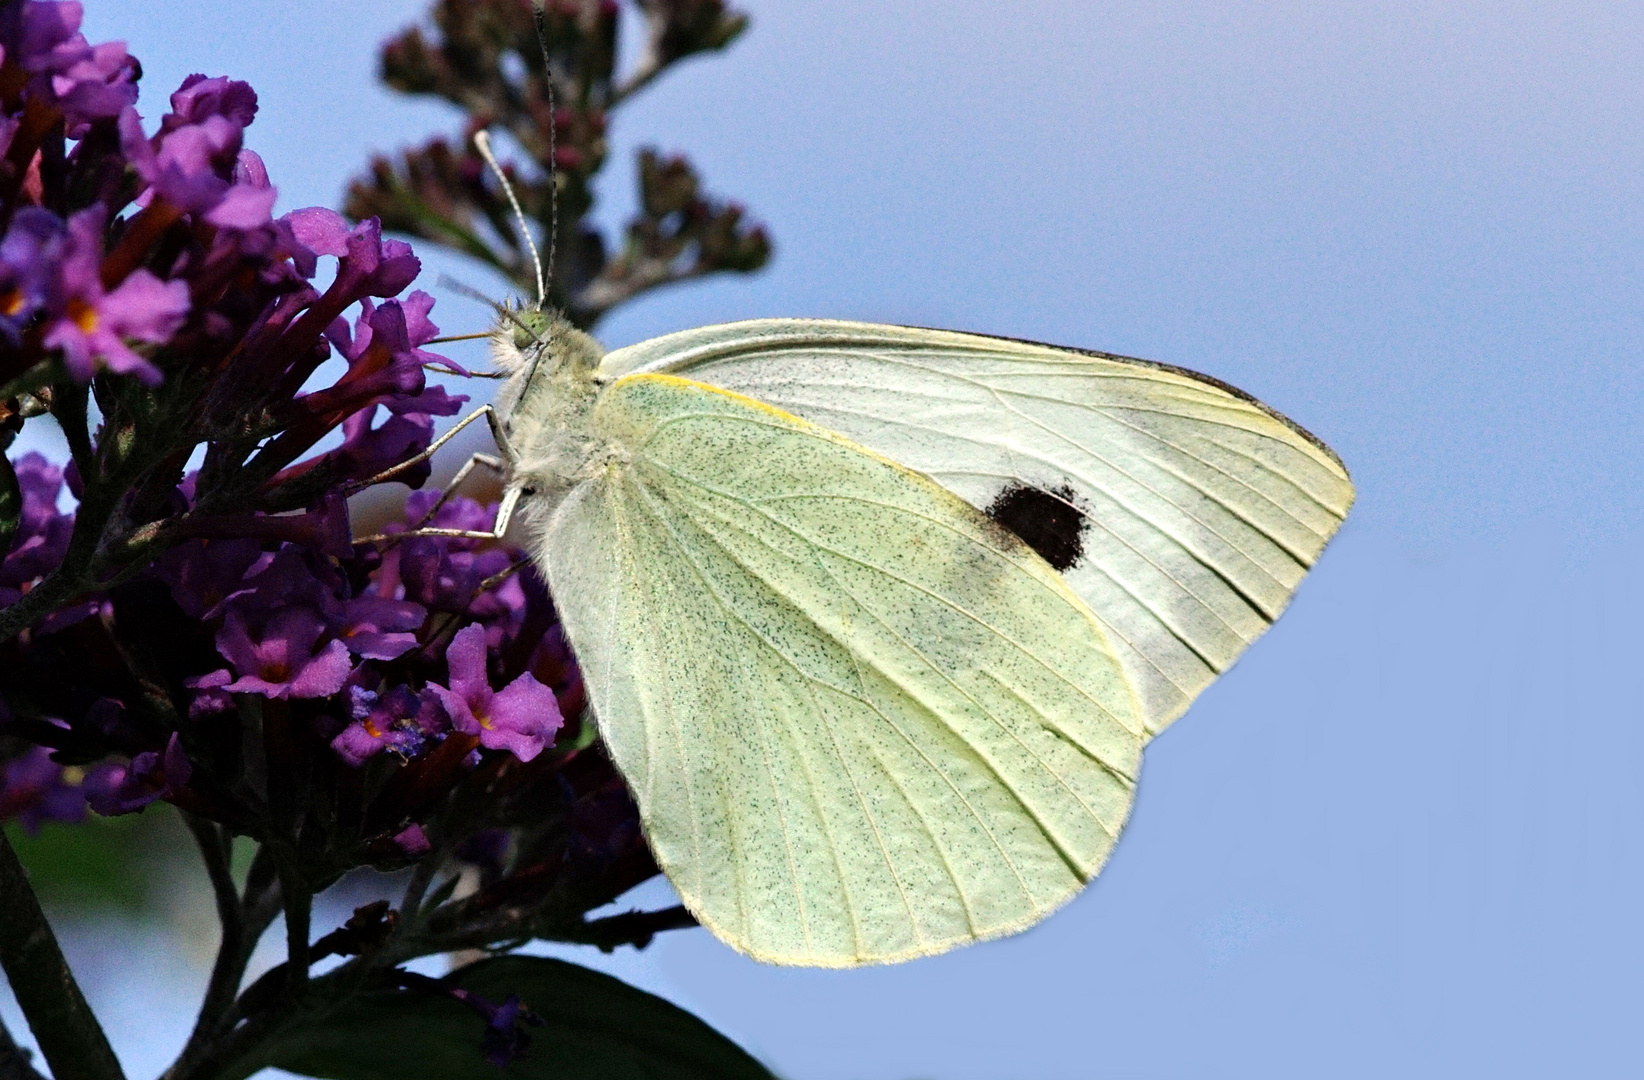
(65, 617)
(379, 628)
(505, 1038)
(42, 533)
(209, 696)
(100, 84)
(420, 330)
(446, 572)
(35, 789)
(385, 364)
(199, 97)
(400, 720)
(43, 39)
(152, 775)
(381, 334)
(371, 266)
(195, 161)
(449, 580)
(457, 513)
(206, 574)
(413, 841)
(522, 718)
(91, 325)
(284, 663)
(29, 259)
(288, 578)
(367, 451)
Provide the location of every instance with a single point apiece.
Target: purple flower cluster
(42, 536)
(175, 614)
(290, 626)
(185, 616)
(35, 789)
(380, 655)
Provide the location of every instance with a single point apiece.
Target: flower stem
(38, 602)
(70, 1037)
(233, 951)
(298, 903)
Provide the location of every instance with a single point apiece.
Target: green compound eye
(530, 327)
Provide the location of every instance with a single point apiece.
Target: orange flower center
(11, 301)
(83, 314)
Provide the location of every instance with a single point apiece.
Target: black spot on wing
(1045, 520)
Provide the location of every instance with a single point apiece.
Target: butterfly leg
(505, 512)
(490, 461)
(501, 465)
(497, 433)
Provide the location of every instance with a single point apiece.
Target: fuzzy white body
(546, 406)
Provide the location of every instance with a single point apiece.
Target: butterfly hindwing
(1183, 512)
(863, 722)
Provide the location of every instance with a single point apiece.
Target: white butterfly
(876, 620)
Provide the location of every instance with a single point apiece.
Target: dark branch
(69, 1036)
(232, 952)
(14, 1060)
(635, 928)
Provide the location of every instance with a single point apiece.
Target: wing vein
(944, 601)
(1203, 560)
(889, 677)
(764, 734)
(690, 799)
(998, 722)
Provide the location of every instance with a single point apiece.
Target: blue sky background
(1406, 835)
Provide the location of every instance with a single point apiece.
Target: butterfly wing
(862, 721)
(1182, 511)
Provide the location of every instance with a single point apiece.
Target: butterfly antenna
(540, 20)
(502, 310)
(482, 142)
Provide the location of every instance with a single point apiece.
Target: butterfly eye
(531, 328)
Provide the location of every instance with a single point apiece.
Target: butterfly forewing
(1182, 512)
(862, 721)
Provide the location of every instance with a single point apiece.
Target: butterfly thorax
(546, 403)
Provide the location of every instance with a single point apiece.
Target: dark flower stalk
(486, 60)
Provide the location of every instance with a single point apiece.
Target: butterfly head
(551, 368)
(533, 344)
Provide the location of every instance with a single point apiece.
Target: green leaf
(595, 1028)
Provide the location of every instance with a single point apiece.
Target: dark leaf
(595, 1028)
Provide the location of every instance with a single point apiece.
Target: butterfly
(876, 621)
